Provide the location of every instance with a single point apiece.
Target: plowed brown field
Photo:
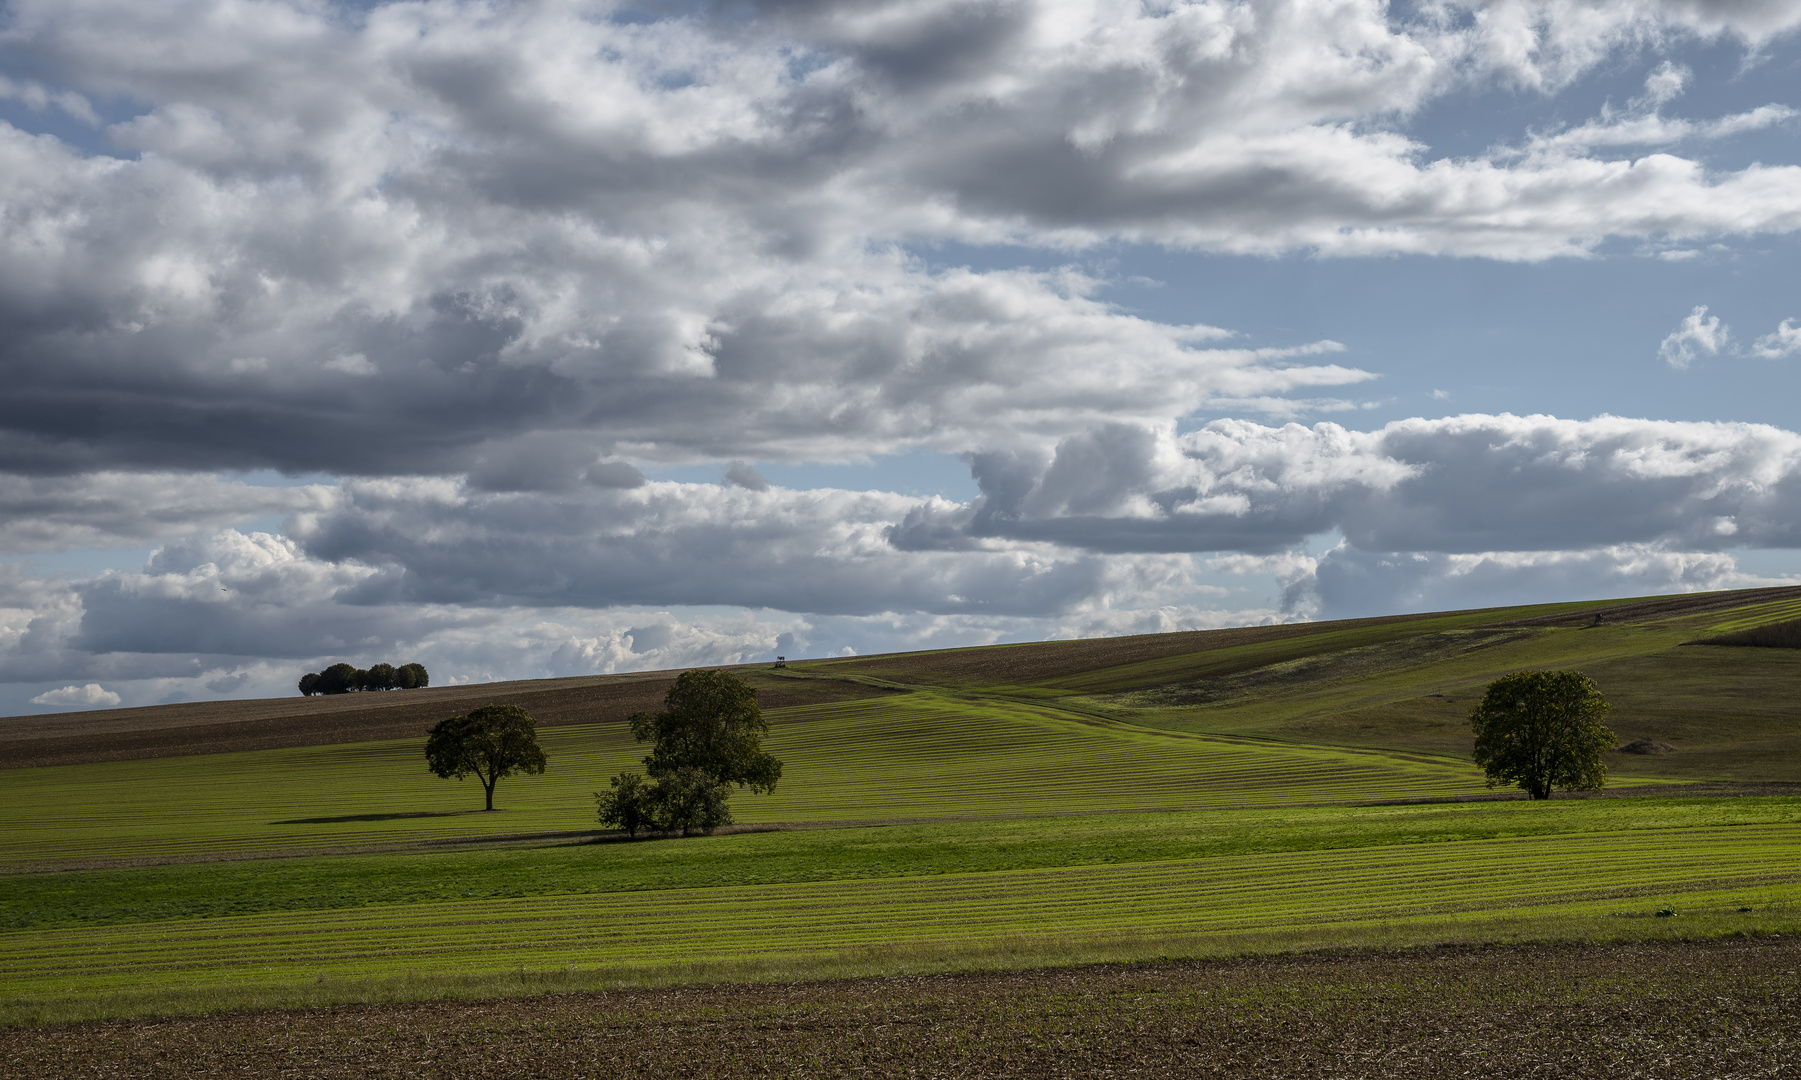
(1705, 1010)
(215, 727)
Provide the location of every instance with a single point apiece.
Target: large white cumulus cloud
(396, 239)
(1459, 484)
(487, 266)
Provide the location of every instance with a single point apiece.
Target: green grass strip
(1592, 876)
(916, 756)
(202, 890)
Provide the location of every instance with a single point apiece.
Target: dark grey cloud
(822, 552)
(129, 509)
(490, 260)
(418, 238)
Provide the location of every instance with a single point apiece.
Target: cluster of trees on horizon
(347, 678)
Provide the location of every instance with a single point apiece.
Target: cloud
(1460, 484)
(1785, 340)
(745, 476)
(403, 242)
(89, 696)
(1698, 333)
(1350, 583)
(487, 265)
(116, 509)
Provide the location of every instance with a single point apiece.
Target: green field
(1046, 804)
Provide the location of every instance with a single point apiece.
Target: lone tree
(710, 722)
(708, 737)
(491, 742)
(1542, 730)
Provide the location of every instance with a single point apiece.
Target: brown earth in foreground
(1713, 1010)
(217, 727)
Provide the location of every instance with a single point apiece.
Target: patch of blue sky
(1723, 79)
(272, 478)
(82, 562)
(1572, 337)
(1770, 563)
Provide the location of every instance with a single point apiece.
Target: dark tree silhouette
(710, 722)
(631, 805)
(491, 742)
(1542, 730)
(379, 677)
(338, 679)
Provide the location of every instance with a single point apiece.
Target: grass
(1731, 713)
(916, 755)
(1590, 886)
(208, 890)
(1207, 802)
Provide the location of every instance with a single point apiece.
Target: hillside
(1402, 682)
(1408, 682)
(1217, 793)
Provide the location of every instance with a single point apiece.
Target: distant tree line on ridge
(345, 679)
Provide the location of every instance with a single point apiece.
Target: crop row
(1277, 892)
(246, 886)
(1759, 615)
(918, 755)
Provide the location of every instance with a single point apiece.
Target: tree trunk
(488, 786)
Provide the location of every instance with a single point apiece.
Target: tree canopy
(491, 742)
(1542, 730)
(708, 737)
(711, 723)
(347, 678)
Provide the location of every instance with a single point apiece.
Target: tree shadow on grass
(375, 817)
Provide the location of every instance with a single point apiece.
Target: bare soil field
(1713, 1010)
(215, 727)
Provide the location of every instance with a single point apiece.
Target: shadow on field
(375, 817)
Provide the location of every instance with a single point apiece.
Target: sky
(553, 338)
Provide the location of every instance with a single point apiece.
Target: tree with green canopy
(711, 723)
(689, 800)
(631, 805)
(1542, 730)
(491, 742)
(378, 677)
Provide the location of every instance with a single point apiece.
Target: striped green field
(1447, 890)
(188, 890)
(1262, 789)
(919, 755)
